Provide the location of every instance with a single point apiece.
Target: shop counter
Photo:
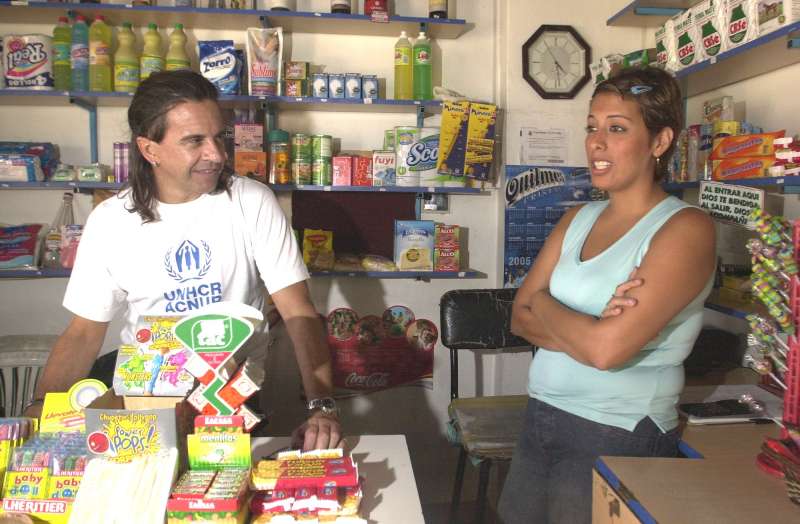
(723, 486)
(390, 491)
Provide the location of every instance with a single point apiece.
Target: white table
(390, 491)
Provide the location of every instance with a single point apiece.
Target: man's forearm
(70, 360)
(313, 355)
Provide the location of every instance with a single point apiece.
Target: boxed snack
(480, 141)
(251, 163)
(746, 167)
(453, 138)
(362, 170)
(446, 259)
(745, 145)
(248, 137)
(774, 14)
(383, 168)
(413, 245)
(342, 170)
(209, 496)
(298, 88)
(293, 70)
(447, 236)
(720, 108)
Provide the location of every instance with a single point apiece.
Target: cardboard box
(248, 137)
(739, 168)
(251, 163)
(413, 245)
(453, 138)
(446, 259)
(293, 70)
(745, 145)
(480, 141)
(342, 170)
(362, 170)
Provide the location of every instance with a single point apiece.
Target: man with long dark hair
(186, 233)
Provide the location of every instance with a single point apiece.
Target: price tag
(327, 188)
(323, 100)
(712, 60)
(461, 274)
(298, 99)
(431, 190)
(317, 14)
(383, 189)
(381, 17)
(367, 100)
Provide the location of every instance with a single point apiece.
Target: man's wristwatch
(325, 404)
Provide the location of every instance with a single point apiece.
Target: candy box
(296, 88)
(480, 141)
(295, 70)
(342, 170)
(745, 145)
(446, 259)
(248, 137)
(738, 168)
(413, 245)
(362, 170)
(453, 138)
(251, 163)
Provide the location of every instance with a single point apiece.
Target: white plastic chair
(22, 358)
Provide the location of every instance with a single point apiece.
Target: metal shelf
(424, 275)
(648, 13)
(60, 185)
(236, 19)
(764, 54)
(34, 273)
(376, 189)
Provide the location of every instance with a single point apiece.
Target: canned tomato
(301, 172)
(321, 147)
(322, 172)
(301, 147)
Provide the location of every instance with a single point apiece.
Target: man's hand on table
(320, 431)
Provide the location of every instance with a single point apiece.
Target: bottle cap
(101, 18)
(80, 18)
(278, 135)
(152, 26)
(178, 26)
(63, 19)
(403, 34)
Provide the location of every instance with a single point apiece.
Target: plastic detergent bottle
(126, 61)
(52, 242)
(176, 54)
(100, 75)
(402, 68)
(62, 43)
(152, 60)
(423, 81)
(79, 54)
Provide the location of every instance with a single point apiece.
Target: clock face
(555, 62)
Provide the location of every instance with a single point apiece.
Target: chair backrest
(21, 361)
(476, 319)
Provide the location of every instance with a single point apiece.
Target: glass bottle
(52, 242)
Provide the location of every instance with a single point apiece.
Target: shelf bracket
(420, 115)
(270, 117)
(793, 42)
(264, 21)
(92, 109)
(423, 27)
(658, 11)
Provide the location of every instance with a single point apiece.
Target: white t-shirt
(215, 248)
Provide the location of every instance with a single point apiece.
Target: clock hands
(555, 60)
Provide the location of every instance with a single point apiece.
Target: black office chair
(487, 428)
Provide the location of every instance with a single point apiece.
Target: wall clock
(555, 61)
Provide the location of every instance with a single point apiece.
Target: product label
(737, 29)
(712, 39)
(61, 52)
(423, 154)
(177, 63)
(99, 53)
(126, 76)
(79, 54)
(422, 56)
(402, 56)
(151, 64)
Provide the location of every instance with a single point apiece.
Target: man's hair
(659, 98)
(147, 117)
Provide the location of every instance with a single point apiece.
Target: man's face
(191, 155)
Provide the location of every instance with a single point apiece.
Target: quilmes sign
(731, 203)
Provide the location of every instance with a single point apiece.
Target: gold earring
(156, 163)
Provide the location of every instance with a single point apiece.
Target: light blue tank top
(648, 384)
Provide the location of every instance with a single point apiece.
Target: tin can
(369, 86)
(336, 85)
(321, 147)
(388, 139)
(301, 147)
(352, 86)
(301, 172)
(321, 172)
(319, 85)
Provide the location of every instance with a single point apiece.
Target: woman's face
(619, 149)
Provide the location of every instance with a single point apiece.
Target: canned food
(321, 147)
(301, 172)
(322, 172)
(301, 147)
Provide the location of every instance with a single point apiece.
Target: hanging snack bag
(666, 48)
(264, 60)
(219, 64)
(28, 61)
(687, 43)
(709, 17)
(742, 22)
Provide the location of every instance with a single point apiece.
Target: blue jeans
(550, 478)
